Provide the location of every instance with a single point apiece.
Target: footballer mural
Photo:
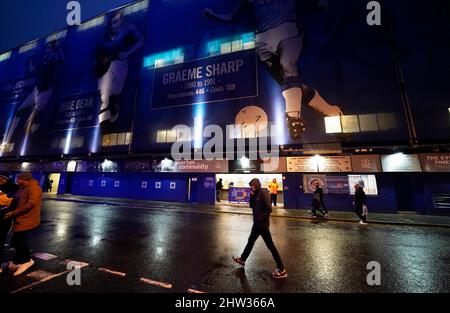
(75, 91)
(313, 68)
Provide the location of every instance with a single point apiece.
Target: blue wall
(171, 187)
(426, 186)
(397, 191)
(295, 198)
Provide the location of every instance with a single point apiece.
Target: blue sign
(18, 90)
(209, 183)
(337, 184)
(77, 111)
(239, 194)
(219, 78)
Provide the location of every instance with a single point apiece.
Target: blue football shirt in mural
(270, 14)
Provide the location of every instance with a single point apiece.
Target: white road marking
(190, 290)
(80, 264)
(45, 279)
(39, 275)
(156, 283)
(45, 256)
(115, 273)
(40, 282)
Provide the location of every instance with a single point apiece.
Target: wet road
(193, 250)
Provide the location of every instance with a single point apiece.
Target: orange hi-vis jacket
(273, 187)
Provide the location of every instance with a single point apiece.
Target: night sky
(24, 20)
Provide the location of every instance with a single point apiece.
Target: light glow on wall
(245, 162)
(240, 42)
(199, 115)
(134, 8)
(71, 166)
(317, 161)
(68, 141)
(333, 125)
(5, 56)
(59, 35)
(92, 23)
(28, 47)
(163, 59)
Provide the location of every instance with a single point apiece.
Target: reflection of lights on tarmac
(324, 253)
(61, 230)
(159, 251)
(95, 240)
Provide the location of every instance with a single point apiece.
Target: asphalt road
(186, 250)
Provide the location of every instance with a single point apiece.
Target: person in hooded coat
(261, 207)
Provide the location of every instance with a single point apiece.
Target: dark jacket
(27, 210)
(319, 190)
(261, 206)
(360, 198)
(316, 199)
(219, 185)
(9, 188)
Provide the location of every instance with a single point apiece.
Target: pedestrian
(219, 187)
(26, 214)
(316, 206)
(47, 185)
(360, 204)
(273, 187)
(318, 193)
(7, 190)
(261, 207)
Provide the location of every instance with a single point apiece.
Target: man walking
(319, 191)
(27, 217)
(260, 204)
(360, 203)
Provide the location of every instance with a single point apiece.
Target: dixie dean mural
(75, 91)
